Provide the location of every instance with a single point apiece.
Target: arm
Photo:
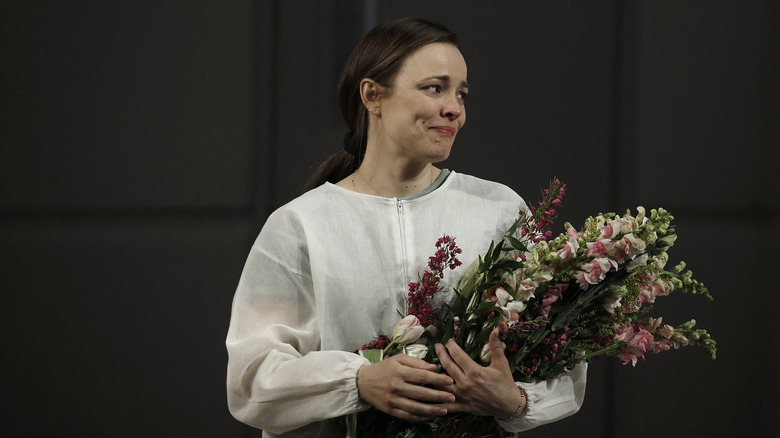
(276, 379)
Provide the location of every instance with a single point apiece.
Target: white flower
(515, 307)
(503, 296)
(610, 304)
(542, 276)
(640, 217)
(416, 350)
(526, 289)
(637, 262)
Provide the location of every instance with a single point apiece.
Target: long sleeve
(277, 379)
(551, 400)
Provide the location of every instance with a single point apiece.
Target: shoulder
(310, 203)
(485, 189)
(291, 218)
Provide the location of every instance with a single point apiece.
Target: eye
(462, 95)
(435, 89)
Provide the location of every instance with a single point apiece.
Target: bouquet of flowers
(556, 302)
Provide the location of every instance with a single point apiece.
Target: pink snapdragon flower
(631, 245)
(654, 323)
(638, 341)
(526, 289)
(608, 232)
(659, 346)
(599, 248)
(569, 250)
(551, 295)
(594, 272)
(642, 340)
(624, 332)
(572, 232)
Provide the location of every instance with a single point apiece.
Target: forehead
(433, 60)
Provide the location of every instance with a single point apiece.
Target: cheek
(425, 109)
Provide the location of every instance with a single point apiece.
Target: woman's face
(420, 115)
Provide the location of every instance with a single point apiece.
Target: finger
(425, 377)
(453, 408)
(460, 357)
(419, 402)
(413, 362)
(425, 394)
(420, 372)
(497, 356)
(416, 412)
(448, 363)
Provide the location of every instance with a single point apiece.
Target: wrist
(358, 381)
(519, 410)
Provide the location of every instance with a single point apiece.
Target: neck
(392, 181)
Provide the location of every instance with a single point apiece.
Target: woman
(330, 269)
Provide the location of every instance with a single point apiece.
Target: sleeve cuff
(550, 400)
(353, 398)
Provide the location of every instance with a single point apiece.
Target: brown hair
(379, 56)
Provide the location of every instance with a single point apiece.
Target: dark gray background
(144, 143)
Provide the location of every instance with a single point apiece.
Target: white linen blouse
(328, 272)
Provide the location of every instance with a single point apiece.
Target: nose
(452, 108)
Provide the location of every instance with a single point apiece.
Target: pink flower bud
(407, 330)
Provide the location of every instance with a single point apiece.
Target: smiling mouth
(444, 130)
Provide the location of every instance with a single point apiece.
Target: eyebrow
(446, 78)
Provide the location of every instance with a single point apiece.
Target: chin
(438, 158)
(440, 151)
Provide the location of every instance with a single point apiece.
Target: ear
(370, 94)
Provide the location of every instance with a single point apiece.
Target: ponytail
(335, 168)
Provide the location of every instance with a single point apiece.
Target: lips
(444, 130)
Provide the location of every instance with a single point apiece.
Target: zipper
(404, 267)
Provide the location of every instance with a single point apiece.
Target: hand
(394, 386)
(480, 390)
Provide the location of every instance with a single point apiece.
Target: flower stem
(605, 350)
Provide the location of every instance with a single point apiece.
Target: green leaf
(497, 250)
(511, 230)
(373, 355)
(511, 265)
(487, 306)
(516, 243)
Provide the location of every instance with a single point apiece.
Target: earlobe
(370, 92)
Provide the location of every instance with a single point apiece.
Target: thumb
(497, 356)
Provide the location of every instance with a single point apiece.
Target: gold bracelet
(519, 409)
